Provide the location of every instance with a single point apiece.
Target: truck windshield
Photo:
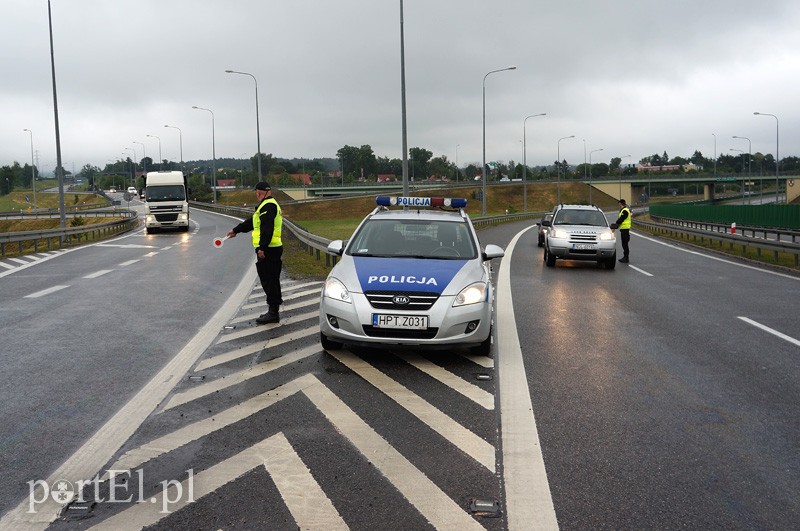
(166, 192)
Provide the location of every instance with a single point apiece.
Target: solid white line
(284, 320)
(456, 434)
(456, 383)
(3, 264)
(88, 460)
(483, 361)
(290, 295)
(98, 273)
(21, 261)
(529, 503)
(771, 331)
(273, 342)
(642, 271)
(48, 291)
(285, 308)
(718, 259)
(436, 506)
(239, 377)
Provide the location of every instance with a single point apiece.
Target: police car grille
(384, 300)
(428, 333)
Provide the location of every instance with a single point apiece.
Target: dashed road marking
(48, 291)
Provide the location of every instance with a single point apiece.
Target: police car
(414, 276)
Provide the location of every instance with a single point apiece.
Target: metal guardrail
(720, 234)
(14, 243)
(50, 212)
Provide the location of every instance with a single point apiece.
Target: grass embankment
(338, 218)
(15, 201)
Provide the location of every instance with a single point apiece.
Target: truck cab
(166, 204)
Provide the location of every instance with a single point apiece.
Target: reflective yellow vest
(276, 233)
(626, 224)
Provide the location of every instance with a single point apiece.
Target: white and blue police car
(415, 276)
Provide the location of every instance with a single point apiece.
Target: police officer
(266, 224)
(624, 225)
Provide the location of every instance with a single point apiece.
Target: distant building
(387, 177)
(646, 166)
(301, 178)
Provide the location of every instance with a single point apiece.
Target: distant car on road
(112, 190)
(580, 232)
(133, 192)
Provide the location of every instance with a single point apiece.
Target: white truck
(166, 204)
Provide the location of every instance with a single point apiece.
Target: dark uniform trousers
(269, 272)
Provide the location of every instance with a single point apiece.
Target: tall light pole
(258, 126)
(133, 171)
(144, 157)
(749, 158)
(59, 169)
(525, 161)
(404, 128)
(777, 144)
(590, 172)
(159, 150)
(180, 140)
(715, 154)
(558, 166)
(213, 152)
(483, 168)
(33, 170)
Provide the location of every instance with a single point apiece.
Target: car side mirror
(336, 247)
(547, 223)
(492, 251)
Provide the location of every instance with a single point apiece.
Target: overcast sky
(630, 77)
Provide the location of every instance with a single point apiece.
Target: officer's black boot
(270, 317)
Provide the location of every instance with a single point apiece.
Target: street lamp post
(777, 156)
(749, 158)
(144, 157)
(213, 152)
(525, 161)
(180, 140)
(133, 170)
(159, 150)
(258, 126)
(558, 167)
(33, 170)
(483, 168)
(590, 172)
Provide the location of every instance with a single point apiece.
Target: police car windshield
(445, 240)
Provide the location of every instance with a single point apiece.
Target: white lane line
(529, 503)
(34, 257)
(436, 506)
(148, 255)
(718, 259)
(483, 361)
(89, 459)
(771, 331)
(284, 319)
(304, 497)
(290, 295)
(471, 391)
(21, 261)
(3, 264)
(129, 262)
(291, 287)
(285, 308)
(642, 271)
(274, 342)
(48, 291)
(239, 377)
(453, 432)
(172, 441)
(98, 273)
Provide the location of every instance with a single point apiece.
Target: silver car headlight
(607, 236)
(334, 289)
(472, 294)
(559, 233)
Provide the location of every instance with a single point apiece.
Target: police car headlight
(606, 235)
(334, 289)
(472, 294)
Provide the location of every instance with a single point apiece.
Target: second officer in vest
(266, 224)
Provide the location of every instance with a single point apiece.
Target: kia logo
(401, 299)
